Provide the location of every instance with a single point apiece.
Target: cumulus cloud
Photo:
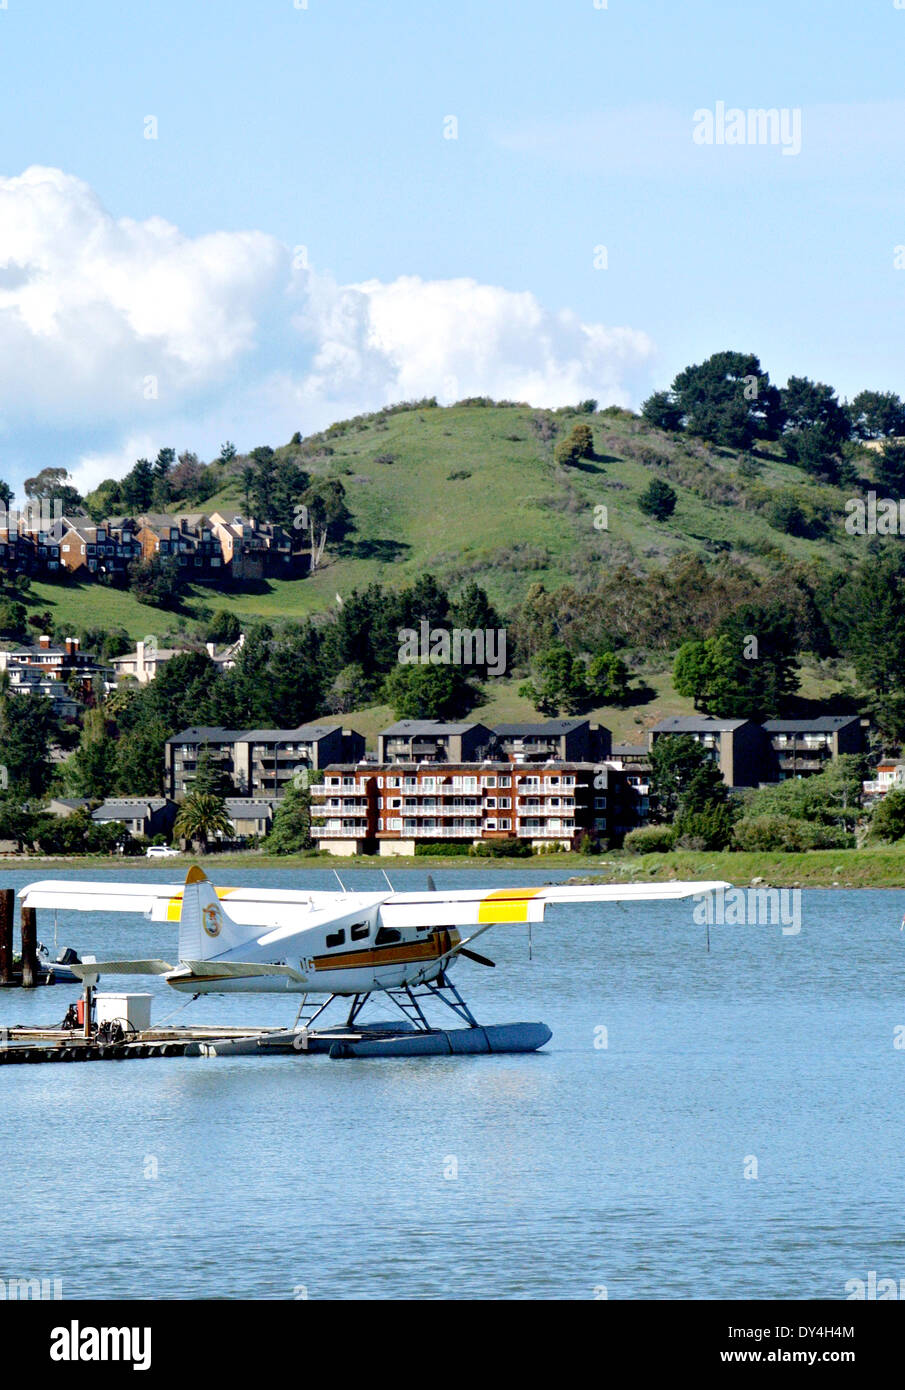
(115, 334)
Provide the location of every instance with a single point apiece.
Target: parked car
(162, 852)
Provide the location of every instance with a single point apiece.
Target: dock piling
(29, 925)
(7, 910)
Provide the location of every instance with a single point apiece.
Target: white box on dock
(134, 1009)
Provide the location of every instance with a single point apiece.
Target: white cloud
(239, 344)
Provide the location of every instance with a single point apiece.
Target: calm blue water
(578, 1167)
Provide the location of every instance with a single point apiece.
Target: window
(359, 931)
(489, 781)
(505, 782)
(503, 824)
(505, 803)
(600, 803)
(336, 938)
(491, 803)
(386, 936)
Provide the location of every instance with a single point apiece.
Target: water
(578, 1168)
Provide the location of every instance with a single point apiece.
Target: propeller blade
(473, 955)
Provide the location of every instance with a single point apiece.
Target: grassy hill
(473, 492)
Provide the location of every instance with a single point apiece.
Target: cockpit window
(359, 931)
(386, 935)
(336, 938)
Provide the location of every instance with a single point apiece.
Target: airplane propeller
(473, 955)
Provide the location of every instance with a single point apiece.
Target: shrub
(443, 847)
(788, 834)
(651, 839)
(658, 500)
(502, 849)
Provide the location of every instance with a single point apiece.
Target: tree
(729, 400)
(291, 829)
(473, 610)
(662, 411)
(558, 684)
(683, 777)
(140, 758)
(888, 819)
(27, 730)
(201, 817)
(328, 515)
(210, 779)
(658, 500)
(578, 445)
(607, 679)
(427, 692)
(889, 468)
(137, 487)
(52, 484)
(12, 619)
(156, 582)
(104, 500)
(227, 452)
(223, 627)
(91, 771)
(746, 670)
(816, 427)
(877, 415)
(866, 616)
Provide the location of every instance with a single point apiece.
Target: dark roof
(304, 732)
(428, 726)
(128, 808)
(696, 724)
(630, 750)
(553, 727)
(826, 724)
(206, 733)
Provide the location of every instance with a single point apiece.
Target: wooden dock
(33, 1045)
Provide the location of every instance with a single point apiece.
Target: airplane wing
(162, 902)
(480, 907)
(86, 968)
(238, 969)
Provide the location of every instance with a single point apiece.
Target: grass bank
(854, 868)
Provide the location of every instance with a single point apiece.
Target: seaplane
(328, 946)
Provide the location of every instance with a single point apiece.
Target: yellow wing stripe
(174, 906)
(507, 905)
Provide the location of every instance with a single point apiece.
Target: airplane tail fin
(205, 930)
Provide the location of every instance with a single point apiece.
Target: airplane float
(345, 945)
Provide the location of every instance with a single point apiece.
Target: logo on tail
(210, 920)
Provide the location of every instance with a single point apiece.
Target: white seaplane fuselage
(333, 944)
(355, 955)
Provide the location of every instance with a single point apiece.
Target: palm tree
(200, 816)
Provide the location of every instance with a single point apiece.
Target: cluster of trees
(160, 485)
(729, 400)
(747, 668)
(693, 809)
(565, 684)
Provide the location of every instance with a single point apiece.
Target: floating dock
(33, 1045)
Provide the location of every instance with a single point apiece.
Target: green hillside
(473, 492)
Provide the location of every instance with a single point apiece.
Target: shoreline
(883, 867)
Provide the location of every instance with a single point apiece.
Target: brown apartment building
(389, 808)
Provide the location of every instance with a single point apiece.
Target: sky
(226, 220)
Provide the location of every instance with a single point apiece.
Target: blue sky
(430, 264)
